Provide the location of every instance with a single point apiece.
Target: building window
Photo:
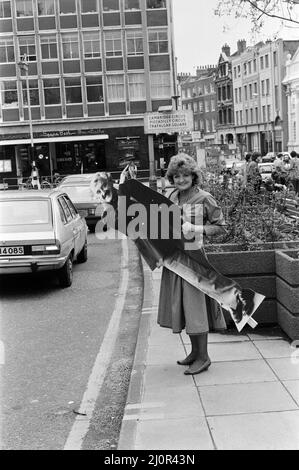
(207, 89)
(250, 91)
(158, 42)
(195, 107)
(91, 45)
(263, 87)
(111, 5)
(254, 65)
(196, 125)
(262, 63)
(9, 94)
(264, 113)
(190, 106)
(134, 43)
(266, 61)
(67, 7)
(24, 8)
(73, 90)
(267, 86)
(94, 87)
(33, 92)
(213, 125)
(246, 116)
(236, 95)
(49, 47)
(240, 95)
(241, 118)
(255, 88)
(207, 107)
(5, 9)
(245, 69)
(269, 112)
(239, 70)
(90, 6)
(212, 105)
(245, 93)
(208, 126)
(249, 67)
(235, 72)
(201, 106)
(70, 46)
(275, 58)
(113, 44)
(136, 86)
(116, 88)
(27, 48)
(160, 85)
(46, 7)
(51, 91)
(132, 5)
(7, 52)
(256, 115)
(155, 4)
(237, 118)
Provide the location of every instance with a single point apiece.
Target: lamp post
(24, 66)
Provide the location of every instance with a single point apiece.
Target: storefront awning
(47, 140)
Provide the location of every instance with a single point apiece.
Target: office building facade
(94, 68)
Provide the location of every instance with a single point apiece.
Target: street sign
(168, 123)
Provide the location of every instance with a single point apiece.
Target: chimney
(226, 50)
(241, 44)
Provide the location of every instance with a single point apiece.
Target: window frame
(143, 97)
(89, 85)
(48, 14)
(95, 54)
(68, 13)
(156, 8)
(118, 100)
(159, 84)
(68, 87)
(2, 10)
(64, 35)
(32, 91)
(134, 39)
(113, 40)
(112, 9)
(49, 36)
(158, 41)
(82, 2)
(131, 9)
(6, 46)
(44, 88)
(28, 55)
(15, 104)
(24, 2)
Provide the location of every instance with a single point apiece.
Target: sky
(199, 35)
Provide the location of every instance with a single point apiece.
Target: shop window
(70, 46)
(94, 88)
(51, 91)
(27, 48)
(7, 53)
(24, 8)
(160, 85)
(5, 9)
(91, 45)
(116, 88)
(9, 94)
(111, 5)
(113, 44)
(46, 7)
(5, 166)
(33, 92)
(49, 47)
(134, 43)
(73, 91)
(158, 42)
(90, 6)
(155, 4)
(67, 7)
(137, 86)
(132, 5)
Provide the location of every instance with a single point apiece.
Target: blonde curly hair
(182, 162)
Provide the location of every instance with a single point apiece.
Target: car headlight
(46, 249)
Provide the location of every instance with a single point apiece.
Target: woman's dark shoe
(201, 368)
(187, 361)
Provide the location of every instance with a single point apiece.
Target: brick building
(94, 68)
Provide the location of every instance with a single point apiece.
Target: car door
(79, 230)
(67, 236)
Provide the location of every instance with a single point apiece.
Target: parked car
(41, 231)
(269, 158)
(77, 178)
(266, 170)
(80, 194)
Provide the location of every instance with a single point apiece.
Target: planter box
(287, 291)
(250, 269)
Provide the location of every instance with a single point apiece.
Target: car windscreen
(25, 212)
(78, 193)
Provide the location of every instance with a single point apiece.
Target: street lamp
(24, 66)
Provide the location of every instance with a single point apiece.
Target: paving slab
(293, 388)
(235, 351)
(259, 431)
(245, 398)
(221, 373)
(285, 368)
(274, 348)
(174, 434)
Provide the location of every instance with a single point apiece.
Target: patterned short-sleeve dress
(182, 306)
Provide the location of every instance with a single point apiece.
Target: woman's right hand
(124, 175)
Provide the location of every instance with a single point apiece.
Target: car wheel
(82, 256)
(65, 275)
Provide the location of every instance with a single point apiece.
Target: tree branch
(271, 15)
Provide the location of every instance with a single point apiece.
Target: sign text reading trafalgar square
(168, 122)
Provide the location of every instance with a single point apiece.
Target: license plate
(11, 250)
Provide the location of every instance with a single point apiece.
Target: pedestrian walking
(294, 171)
(35, 177)
(253, 172)
(242, 176)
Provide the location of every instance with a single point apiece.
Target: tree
(287, 11)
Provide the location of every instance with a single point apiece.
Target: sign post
(156, 123)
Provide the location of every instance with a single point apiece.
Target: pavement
(247, 400)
